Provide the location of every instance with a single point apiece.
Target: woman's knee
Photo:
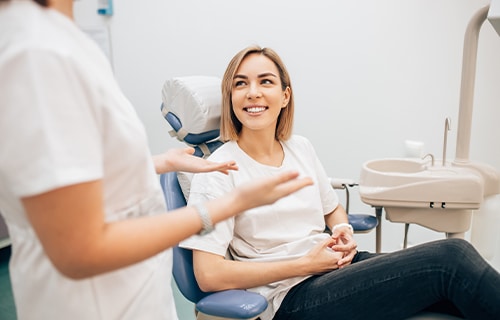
(456, 251)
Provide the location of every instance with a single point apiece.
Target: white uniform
(287, 229)
(64, 121)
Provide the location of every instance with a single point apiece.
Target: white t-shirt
(63, 121)
(287, 229)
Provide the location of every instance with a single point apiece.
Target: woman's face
(257, 97)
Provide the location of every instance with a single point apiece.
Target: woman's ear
(286, 97)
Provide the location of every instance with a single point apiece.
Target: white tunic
(63, 121)
(288, 229)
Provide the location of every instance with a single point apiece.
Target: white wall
(367, 74)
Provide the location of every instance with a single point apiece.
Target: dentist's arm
(70, 223)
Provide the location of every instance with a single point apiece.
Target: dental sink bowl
(413, 191)
(413, 183)
(395, 165)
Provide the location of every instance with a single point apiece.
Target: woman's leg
(399, 284)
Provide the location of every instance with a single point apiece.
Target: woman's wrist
(343, 225)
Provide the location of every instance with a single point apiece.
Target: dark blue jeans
(448, 275)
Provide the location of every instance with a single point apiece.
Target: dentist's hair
(230, 125)
(43, 3)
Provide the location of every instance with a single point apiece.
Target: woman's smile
(255, 110)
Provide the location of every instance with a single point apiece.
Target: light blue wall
(367, 74)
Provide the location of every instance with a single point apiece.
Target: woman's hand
(322, 259)
(182, 159)
(345, 244)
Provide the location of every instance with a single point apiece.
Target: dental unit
(446, 196)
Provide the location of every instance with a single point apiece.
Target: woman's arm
(70, 223)
(337, 216)
(215, 273)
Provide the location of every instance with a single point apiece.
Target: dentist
(79, 187)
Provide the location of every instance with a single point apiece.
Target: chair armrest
(339, 183)
(235, 304)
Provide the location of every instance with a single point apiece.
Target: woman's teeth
(255, 109)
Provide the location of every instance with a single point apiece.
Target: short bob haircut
(230, 125)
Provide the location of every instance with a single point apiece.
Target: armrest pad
(235, 304)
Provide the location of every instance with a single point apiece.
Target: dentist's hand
(268, 190)
(182, 159)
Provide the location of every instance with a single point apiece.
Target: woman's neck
(262, 148)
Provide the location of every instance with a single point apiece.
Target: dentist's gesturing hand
(182, 159)
(268, 190)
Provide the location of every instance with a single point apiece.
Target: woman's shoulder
(298, 141)
(224, 152)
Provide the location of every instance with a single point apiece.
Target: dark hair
(43, 3)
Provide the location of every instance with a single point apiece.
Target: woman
(281, 251)
(80, 192)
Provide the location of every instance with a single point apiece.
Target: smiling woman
(230, 125)
(282, 252)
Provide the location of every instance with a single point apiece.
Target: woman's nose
(253, 91)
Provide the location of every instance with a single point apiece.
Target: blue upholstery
(196, 140)
(235, 304)
(362, 222)
(191, 138)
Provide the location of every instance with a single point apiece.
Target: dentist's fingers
(269, 190)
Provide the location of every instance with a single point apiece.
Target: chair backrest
(183, 259)
(192, 106)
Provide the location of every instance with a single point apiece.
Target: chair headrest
(192, 106)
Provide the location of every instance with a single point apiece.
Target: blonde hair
(230, 125)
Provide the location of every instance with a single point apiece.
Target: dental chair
(191, 105)
(228, 304)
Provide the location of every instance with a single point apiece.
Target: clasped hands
(337, 251)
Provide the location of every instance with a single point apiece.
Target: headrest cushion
(195, 101)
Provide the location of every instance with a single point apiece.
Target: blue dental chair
(230, 304)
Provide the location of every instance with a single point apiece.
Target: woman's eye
(266, 81)
(239, 83)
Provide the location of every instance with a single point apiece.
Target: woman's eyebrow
(267, 74)
(262, 75)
